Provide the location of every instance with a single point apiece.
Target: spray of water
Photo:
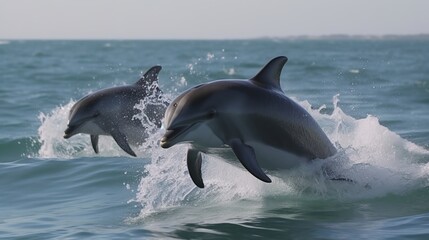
(53, 124)
(53, 145)
(375, 159)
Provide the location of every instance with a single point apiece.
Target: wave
(17, 148)
(377, 160)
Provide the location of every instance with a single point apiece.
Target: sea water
(370, 96)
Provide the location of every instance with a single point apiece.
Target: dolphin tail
(247, 157)
(121, 140)
(194, 161)
(94, 142)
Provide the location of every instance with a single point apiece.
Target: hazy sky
(189, 19)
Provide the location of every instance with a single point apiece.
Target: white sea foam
(375, 159)
(229, 71)
(53, 145)
(53, 124)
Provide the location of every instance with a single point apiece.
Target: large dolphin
(253, 118)
(111, 112)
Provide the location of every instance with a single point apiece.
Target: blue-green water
(371, 96)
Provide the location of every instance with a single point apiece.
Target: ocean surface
(370, 96)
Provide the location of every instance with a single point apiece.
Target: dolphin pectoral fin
(247, 157)
(121, 140)
(94, 142)
(194, 161)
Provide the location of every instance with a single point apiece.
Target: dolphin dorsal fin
(270, 73)
(149, 77)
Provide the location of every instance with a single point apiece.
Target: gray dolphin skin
(252, 120)
(110, 112)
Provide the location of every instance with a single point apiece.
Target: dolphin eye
(175, 104)
(212, 113)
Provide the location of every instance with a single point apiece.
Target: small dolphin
(110, 112)
(253, 118)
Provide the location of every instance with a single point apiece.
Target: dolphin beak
(166, 139)
(69, 132)
(170, 136)
(164, 142)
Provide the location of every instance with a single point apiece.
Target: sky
(208, 19)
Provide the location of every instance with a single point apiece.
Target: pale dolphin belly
(92, 128)
(271, 158)
(268, 157)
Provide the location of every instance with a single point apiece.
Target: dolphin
(110, 111)
(251, 119)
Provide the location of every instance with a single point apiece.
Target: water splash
(53, 145)
(375, 159)
(51, 131)
(201, 68)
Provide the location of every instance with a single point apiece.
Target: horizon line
(292, 37)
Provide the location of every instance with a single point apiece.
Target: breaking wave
(376, 160)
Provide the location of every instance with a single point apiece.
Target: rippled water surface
(370, 96)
